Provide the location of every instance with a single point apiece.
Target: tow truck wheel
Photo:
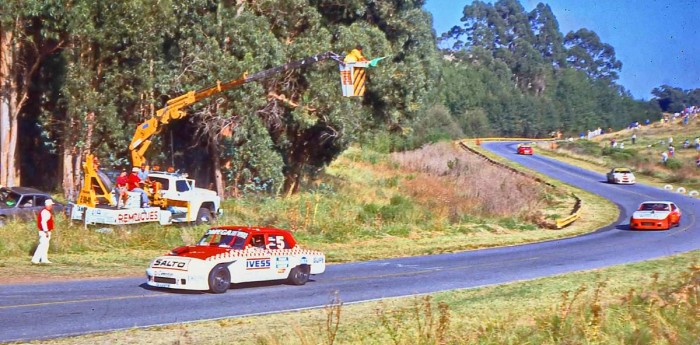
(219, 279)
(299, 275)
(203, 216)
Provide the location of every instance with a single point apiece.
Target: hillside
(433, 200)
(644, 157)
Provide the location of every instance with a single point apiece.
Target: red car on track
(525, 149)
(655, 215)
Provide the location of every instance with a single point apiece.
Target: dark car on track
(23, 203)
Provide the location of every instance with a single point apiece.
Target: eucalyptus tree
(28, 35)
(670, 99)
(111, 63)
(307, 120)
(586, 52)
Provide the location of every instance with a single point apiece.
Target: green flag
(373, 62)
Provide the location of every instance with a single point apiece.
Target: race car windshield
(224, 238)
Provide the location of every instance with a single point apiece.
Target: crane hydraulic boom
(174, 107)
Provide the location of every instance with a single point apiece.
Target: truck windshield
(164, 182)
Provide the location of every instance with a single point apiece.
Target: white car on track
(235, 254)
(621, 176)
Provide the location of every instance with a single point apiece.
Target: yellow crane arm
(174, 107)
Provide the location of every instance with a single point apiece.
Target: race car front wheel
(299, 275)
(219, 279)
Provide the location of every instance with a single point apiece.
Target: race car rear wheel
(219, 279)
(299, 275)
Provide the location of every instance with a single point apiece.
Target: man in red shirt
(45, 224)
(122, 190)
(133, 184)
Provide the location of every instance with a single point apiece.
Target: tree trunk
(216, 163)
(4, 137)
(90, 121)
(77, 161)
(69, 190)
(11, 105)
(291, 180)
(12, 169)
(6, 62)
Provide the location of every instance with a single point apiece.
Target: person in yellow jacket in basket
(355, 55)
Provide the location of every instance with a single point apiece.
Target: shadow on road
(240, 286)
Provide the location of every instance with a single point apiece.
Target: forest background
(77, 77)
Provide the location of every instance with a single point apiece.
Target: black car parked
(23, 203)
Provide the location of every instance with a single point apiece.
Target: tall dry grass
(465, 183)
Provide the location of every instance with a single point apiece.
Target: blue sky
(658, 42)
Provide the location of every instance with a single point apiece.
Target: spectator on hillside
(697, 143)
(671, 150)
(686, 144)
(697, 162)
(664, 157)
(634, 138)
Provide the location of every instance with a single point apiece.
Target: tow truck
(174, 197)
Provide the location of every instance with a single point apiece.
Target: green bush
(391, 182)
(368, 213)
(674, 164)
(399, 207)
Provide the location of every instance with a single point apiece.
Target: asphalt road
(40, 311)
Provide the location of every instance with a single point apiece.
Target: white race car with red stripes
(235, 254)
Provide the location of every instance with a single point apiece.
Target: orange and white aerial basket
(352, 78)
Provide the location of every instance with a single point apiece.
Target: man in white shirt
(45, 224)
